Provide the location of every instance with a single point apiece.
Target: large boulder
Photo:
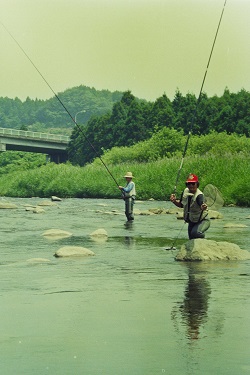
(73, 251)
(201, 249)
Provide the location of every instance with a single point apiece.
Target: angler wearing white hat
(128, 193)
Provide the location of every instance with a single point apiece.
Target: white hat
(129, 174)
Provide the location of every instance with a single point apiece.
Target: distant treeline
(49, 115)
(131, 121)
(107, 120)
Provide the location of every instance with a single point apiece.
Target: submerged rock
(99, 233)
(158, 211)
(235, 225)
(38, 210)
(73, 251)
(55, 234)
(5, 205)
(201, 249)
(143, 213)
(47, 203)
(29, 207)
(38, 260)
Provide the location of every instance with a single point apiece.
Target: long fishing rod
(192, 123)
(60, 101)
(198, 101)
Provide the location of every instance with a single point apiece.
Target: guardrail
(37, 135)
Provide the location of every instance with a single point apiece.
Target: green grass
(156, 179)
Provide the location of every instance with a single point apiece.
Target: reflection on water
(129, 241)
(194, 308)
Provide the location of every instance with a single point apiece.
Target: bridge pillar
(2, 147)
(58, 158)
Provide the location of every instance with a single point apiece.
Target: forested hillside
(49, 115)
(107, 120)
(132, 121)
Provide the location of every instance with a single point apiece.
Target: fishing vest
(131, 193)
(192, 211)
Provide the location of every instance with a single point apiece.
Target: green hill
(49, 115)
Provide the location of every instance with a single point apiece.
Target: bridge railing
(37, 135)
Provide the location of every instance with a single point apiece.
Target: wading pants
(129, 205)
(196, 230)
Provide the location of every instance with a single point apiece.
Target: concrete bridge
(54, 145)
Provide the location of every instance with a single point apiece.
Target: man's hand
(204, 206)
(173, 198)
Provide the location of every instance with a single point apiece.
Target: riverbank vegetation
(132, 121)
(147, 139)
(155, 175)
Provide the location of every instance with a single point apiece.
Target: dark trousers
(196, 230)
(129, 205)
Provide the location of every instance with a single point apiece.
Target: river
(129, 310)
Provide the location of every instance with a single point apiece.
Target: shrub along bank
(155, 179)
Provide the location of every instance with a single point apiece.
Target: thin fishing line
(198, 100)
(172, 247)
(60, 101)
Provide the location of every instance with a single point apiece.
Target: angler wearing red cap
(195, 209)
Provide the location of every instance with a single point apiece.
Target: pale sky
(149, 47)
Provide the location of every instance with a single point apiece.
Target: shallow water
(131, 309)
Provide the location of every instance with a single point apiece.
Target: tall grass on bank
(156, 179)
(170, 143)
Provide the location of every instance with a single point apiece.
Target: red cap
(192, 178)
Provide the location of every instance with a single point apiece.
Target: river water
(129, 310)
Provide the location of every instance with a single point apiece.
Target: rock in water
(6, 205)
(54, 198)
(38, 210)
(73, 251)
(55, 234)
(38, 260)
(99, 233)
(201, 249)
(235, 225)
(47, 203)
